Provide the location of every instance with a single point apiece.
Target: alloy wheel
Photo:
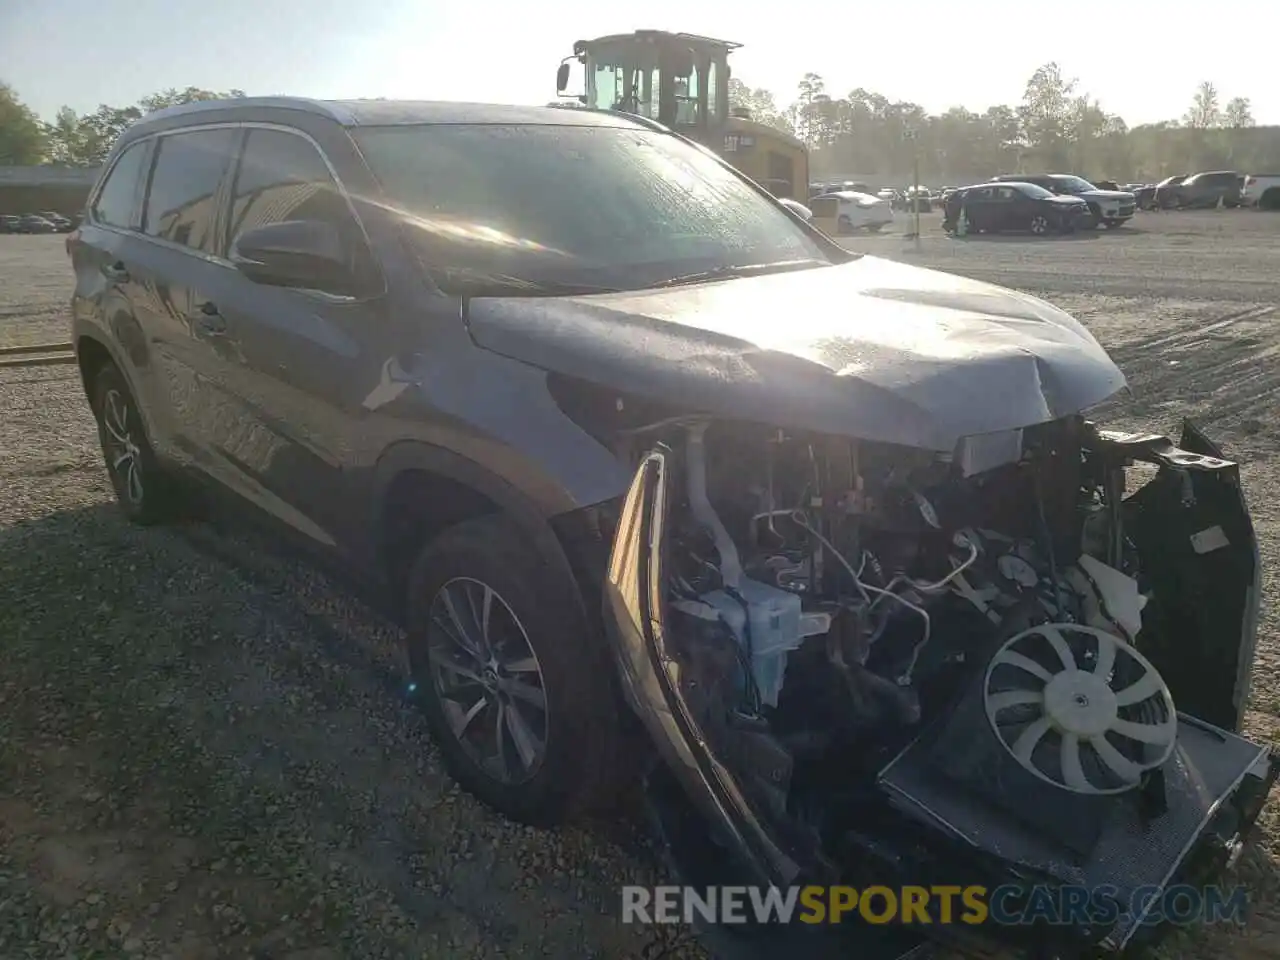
(124, 457)
(488, 680)
(1039, 225)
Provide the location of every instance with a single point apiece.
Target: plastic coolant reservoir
(769, 628)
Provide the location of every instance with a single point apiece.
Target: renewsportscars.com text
(1012, 905)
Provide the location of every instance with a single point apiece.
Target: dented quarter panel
(871, 349)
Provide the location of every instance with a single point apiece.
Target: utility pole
(912, 135)
(915, 163)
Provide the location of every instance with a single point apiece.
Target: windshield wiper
(734, 273)
(498, 285)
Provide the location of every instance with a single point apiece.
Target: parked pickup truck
(1262, 190)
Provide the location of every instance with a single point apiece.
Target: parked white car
(1262, 190)
(848, 212)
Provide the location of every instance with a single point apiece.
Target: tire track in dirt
(1223, 373)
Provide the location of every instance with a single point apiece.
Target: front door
(171, 271)
(1007, 210)
(290, 367)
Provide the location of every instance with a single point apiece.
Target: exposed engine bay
(992, 644)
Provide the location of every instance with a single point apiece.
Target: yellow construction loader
(682, 81)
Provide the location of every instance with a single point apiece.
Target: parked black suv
(996, 207)
(635, 451)
(1110, 208)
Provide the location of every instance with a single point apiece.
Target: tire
(1270, 199)
(844, 226)
(144, 491)
(559, 741)
(1039, 225)
(874, 227)
(1112, 224)
(1097, 217)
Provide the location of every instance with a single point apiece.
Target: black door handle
(209, 320)
(116, 271)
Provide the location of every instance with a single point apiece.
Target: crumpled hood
(870, 349)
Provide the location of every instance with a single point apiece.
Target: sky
(82, 53)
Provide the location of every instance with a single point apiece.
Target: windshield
(541, 206)
(1034, 192)
(1073, 184)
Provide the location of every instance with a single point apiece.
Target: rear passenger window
(182, 200)
(114, 205)
(282, 176)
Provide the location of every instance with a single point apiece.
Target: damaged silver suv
(640, 457)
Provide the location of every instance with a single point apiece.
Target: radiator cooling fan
(1079, 708)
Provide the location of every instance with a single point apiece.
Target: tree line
(1055, 127)
(79, 140)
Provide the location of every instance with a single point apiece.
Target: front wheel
(1040, 225)
(844, 225)
(1112, 224)
(517, 693)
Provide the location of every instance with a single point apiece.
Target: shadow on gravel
(204, 748)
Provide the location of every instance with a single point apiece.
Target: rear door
(103, 260)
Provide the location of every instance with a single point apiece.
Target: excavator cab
(681, 80)
(678, 79)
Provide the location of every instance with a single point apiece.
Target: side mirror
(304, 254)
(799, 209)
(562, 77)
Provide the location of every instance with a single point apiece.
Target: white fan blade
(1072, 772)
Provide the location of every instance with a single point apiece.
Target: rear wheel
(144, 491)
(515, 691)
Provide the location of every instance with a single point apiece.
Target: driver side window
(281, 177)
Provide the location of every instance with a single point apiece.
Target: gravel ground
(203, 748)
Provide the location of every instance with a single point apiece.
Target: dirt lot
(203, 750)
